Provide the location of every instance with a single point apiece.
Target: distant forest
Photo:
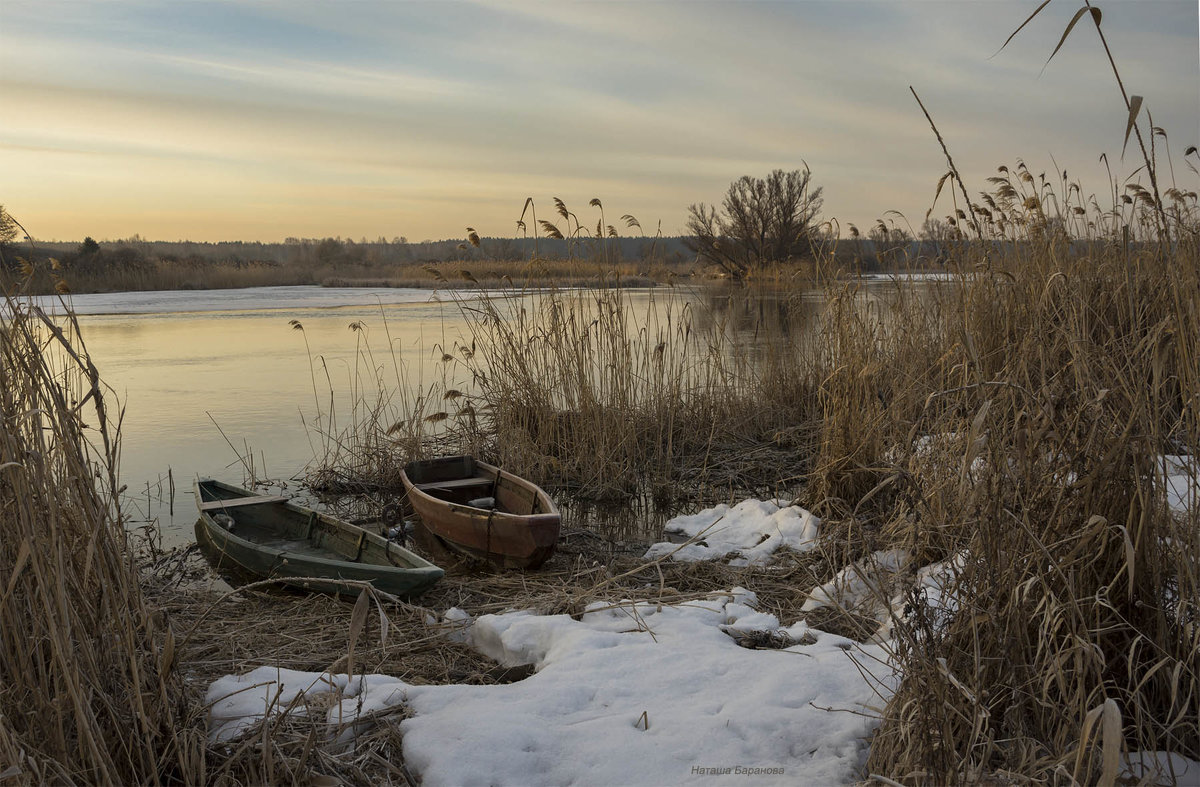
(333, 252)
(337, 252)
(138, 264)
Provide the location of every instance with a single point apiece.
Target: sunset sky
(261, 120)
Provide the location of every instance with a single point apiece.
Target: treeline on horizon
(347, 251)
(138, 264)
(763, 227)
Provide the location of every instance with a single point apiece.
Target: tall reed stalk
(90, 693)
(1067, 374)
(1037, 456)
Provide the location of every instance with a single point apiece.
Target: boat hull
(520, 530)
(272, 538)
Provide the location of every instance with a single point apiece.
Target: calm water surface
(212, 381)
(189, 366)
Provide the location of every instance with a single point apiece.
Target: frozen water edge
(249, 298)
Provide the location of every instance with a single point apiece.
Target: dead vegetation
(222, 631)
(91, 687)
(1015, 417)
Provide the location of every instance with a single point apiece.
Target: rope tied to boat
(492, 512)
(488, 548)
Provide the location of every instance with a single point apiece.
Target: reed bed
(602, 398)
(91, 691)
(1066, 372)
(1015, 416)
(603, 395)
(1066, 375)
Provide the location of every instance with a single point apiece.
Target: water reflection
(745, 312)
(237, 391)
(220, 393)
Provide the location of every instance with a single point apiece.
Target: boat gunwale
(543, 496)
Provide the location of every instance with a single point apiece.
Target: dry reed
(91, 689)
(1068, 371)
(1065, 379)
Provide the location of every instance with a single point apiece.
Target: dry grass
(91, 688)
(1015, 414)
(1066, 379)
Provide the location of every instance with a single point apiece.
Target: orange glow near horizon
(242, 121)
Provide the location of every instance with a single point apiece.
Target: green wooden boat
(268, 536)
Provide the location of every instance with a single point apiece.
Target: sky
(264, 120)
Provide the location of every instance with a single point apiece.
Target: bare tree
(8, 227)
(760, 221)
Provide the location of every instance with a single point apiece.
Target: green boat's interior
(276, 525)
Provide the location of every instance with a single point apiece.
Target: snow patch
(646, 693)
(858, 583)
(633, 693)
(1160, 768)
(748, 533)
(457, 625)
(237, 703)
(935, 590)
(1179, 476)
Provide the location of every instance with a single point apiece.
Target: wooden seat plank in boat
(457, 483)
(213, 505)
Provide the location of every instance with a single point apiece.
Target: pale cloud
(263, 120)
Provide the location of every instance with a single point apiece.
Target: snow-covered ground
(644, 693)
(629, 694)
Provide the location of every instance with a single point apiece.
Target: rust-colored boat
(481, 511)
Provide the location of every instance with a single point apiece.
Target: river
(225, 383)
(209, 380)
